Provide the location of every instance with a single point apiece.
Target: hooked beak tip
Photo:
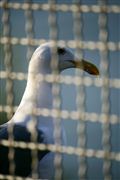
(87, 66)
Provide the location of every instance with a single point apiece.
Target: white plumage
(38, 94)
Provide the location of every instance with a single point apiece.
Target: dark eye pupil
(61, 51)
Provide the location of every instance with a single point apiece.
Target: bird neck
(37, 95)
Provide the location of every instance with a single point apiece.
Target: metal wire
(33, 122)
(103, 35)
(63, 7)
(98, 45)
(70, 150)
(67, 79)
(9, 85)
(29, 27)
(55, 89)
(74, 115)
(104, 82)
(80, 98)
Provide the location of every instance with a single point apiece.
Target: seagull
(38, 94)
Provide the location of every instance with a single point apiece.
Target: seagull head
(41, 60)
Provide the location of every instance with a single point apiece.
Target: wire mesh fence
(105, 83)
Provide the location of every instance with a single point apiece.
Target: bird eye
(61, 50)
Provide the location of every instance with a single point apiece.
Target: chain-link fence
(92, 161)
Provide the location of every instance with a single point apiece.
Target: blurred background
(20, 56)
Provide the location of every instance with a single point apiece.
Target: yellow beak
(87, 66)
